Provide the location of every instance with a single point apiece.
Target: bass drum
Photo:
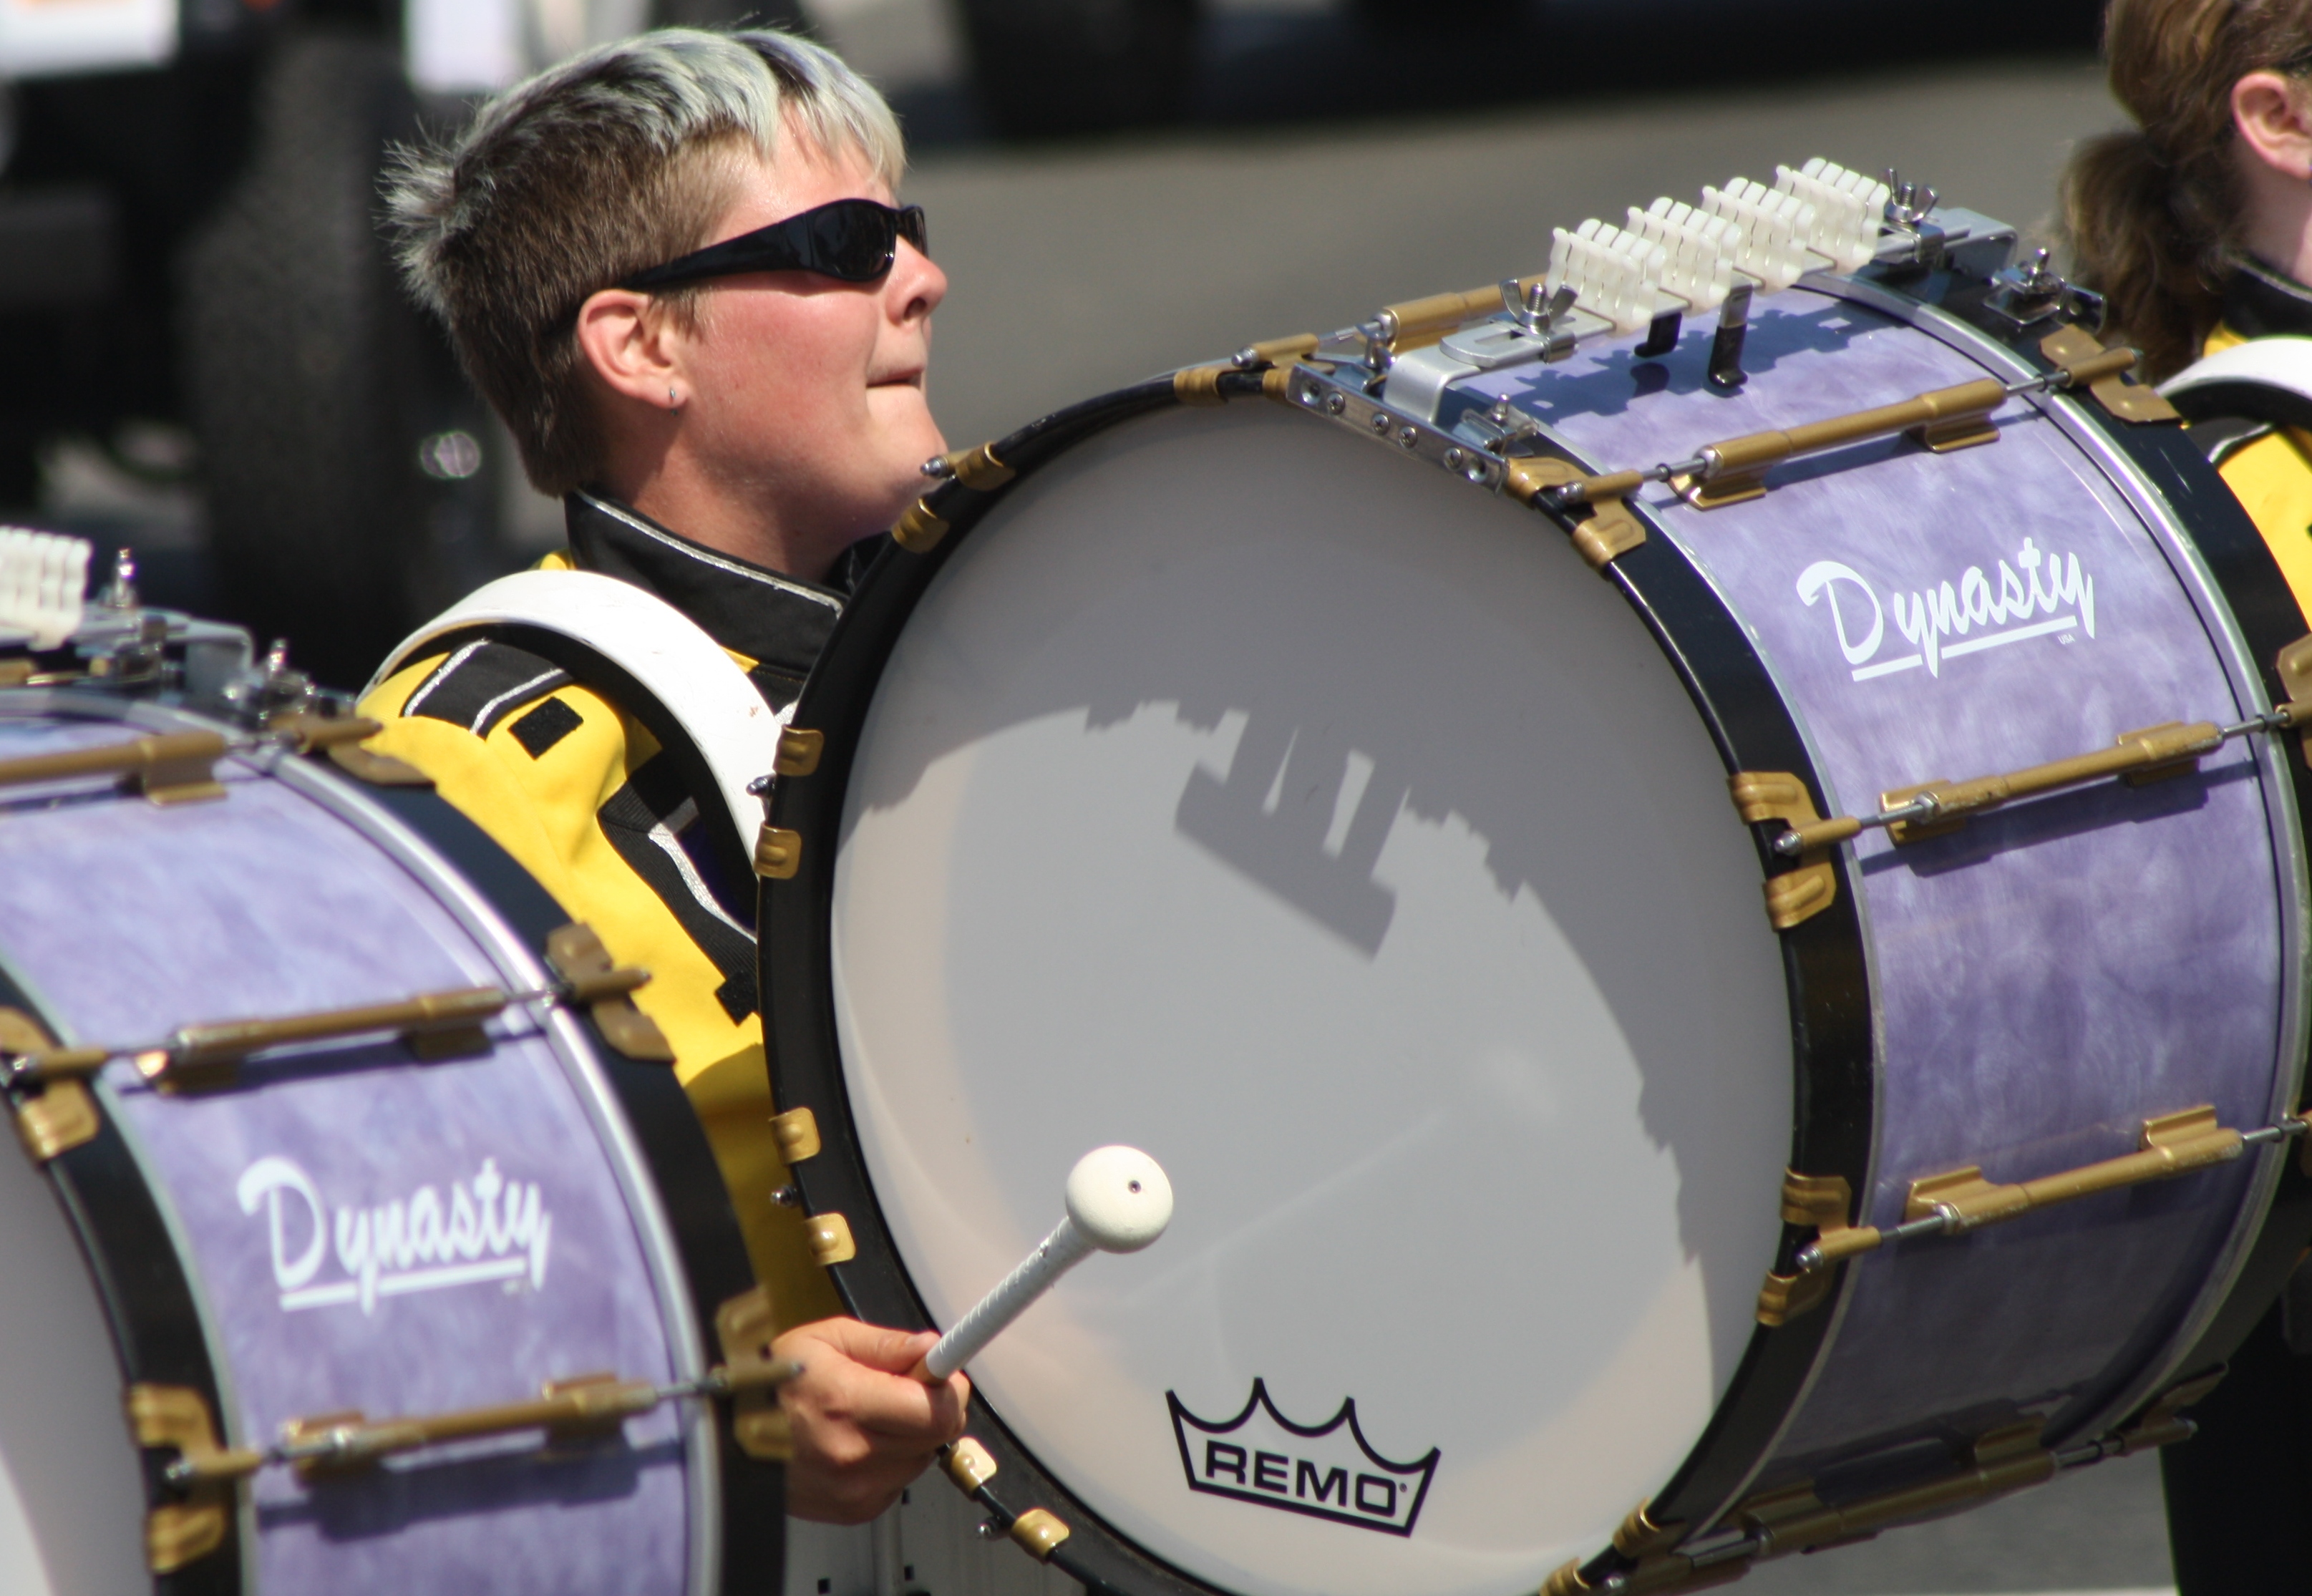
(1259, 784)
(430, 1192)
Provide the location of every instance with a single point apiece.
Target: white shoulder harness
(696, 683)
(2280, 366)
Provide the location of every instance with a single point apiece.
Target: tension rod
(2153, 751)
(173, 766)
(1945, 417)
(194, 1051)
(350, 1441)
(1960, 1200)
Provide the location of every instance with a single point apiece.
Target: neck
(2279, 209)
(722, 520)
(671, 487)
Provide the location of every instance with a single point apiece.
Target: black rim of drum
(1822, 964)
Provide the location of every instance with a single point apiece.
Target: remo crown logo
(1327, 1471)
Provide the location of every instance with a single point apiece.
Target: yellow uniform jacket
(2269, 465)
(626, 837)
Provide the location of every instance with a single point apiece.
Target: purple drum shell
(2051, 974)
(520, 1257)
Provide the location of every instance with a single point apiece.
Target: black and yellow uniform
(576, 788)
(2239, 1492)
(2266, 462)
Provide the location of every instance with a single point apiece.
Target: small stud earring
(672, 401)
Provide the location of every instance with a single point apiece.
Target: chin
(905, 420)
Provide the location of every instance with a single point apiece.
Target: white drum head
(1332, 832)
(72, 1493)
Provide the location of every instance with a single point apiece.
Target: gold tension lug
(591, 977)
(798, 751)
(970, 1466)
(1040, 1531)
(778, 852)
(744, 1327)
(2294, 667)
(176, 1419)
(1608, 533)
(2089, 364)
(1795, 896)
(1822, 1202)
(796, 1132)
(60, 1113)
(920, 530)
(828, 1237)
(2162, 1423)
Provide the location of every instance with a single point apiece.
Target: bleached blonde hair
(591, 170)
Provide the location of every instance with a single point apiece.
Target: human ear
(2274, 115)
(634, 348)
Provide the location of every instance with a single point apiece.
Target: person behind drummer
(2197, 224)
(722, 433)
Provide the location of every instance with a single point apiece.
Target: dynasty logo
(488, 1228)
(2043, 594)
(1330, 1471)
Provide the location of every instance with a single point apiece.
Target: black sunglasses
(852, 241)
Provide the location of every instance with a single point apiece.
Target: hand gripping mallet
(1119, 1201)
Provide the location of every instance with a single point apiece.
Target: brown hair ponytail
(2151, 213)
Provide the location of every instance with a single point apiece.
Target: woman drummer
(2197, 225)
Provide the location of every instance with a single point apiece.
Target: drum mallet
(1119, 1201)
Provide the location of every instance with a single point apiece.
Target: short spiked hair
(588, 173)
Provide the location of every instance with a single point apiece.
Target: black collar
(2260, 301)
(778, 622)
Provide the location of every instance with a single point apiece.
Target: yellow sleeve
(2272, 479)
(544, 810)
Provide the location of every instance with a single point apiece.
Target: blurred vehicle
(188, 235)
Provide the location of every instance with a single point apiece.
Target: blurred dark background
(213, 364)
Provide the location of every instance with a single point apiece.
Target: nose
(916, 286)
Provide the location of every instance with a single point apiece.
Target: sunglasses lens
(852, 241)
(915, 230)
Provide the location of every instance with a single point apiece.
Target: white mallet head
(1119, 1198)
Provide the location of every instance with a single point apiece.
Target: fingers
(879, 1346)
(864, 1426)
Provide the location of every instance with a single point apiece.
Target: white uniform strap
(2269, 377)
(698, 684)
